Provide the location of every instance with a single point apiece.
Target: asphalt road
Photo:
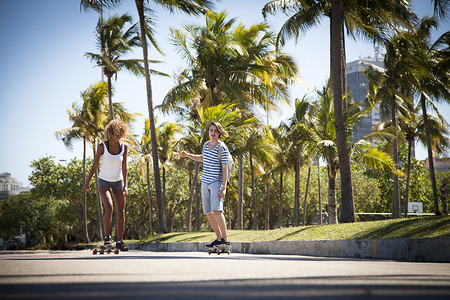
(197, 275)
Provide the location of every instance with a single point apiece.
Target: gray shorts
(210, 197)
(117, 185)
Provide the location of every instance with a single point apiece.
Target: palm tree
(282, 163)
(411, 123)
(144, 151)
(302, 107)
(166, 140)
(114, 44)
(89, 123)
(260, 148)
(192, 7)
(319, 132)
(368, 19)
(229, 64)
(432, 82)
(411, 63)
(86, 121)
(388, 86)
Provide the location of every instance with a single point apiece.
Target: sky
(43, 70)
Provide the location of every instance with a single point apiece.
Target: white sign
(415, 207)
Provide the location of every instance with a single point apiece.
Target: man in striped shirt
(214, 181)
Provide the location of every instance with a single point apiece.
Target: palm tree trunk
(320, 193)
(85, 227)
(297, 188)
(408, 176)
(252, 172)
(101, 227)
(336, 56)
(240, 221)
(191, 198)
(111, 111)
(430, 155)
(267, 223)
(280, 204)
(395, 190)
(149, 195)
(306, 195)
(197, 207)
(332, 207)
(158, 191)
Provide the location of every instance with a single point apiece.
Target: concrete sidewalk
(417, 249)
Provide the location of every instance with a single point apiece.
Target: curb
(417, 249)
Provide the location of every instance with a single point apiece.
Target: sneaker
(107, 240)
(224, 242)
(121, 246)
(213, 244)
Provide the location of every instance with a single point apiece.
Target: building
(10, 186)
(440, 164)
(357, 84)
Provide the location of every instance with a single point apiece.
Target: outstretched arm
(194, 157)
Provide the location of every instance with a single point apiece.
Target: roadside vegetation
(413, 227)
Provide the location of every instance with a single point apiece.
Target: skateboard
(102, 248)
(219, 249)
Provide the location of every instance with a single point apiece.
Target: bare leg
(220, 220)
(214, 225)
(105, 195)
(217, 221)
(120, 209)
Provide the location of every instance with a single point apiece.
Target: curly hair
(116, 128)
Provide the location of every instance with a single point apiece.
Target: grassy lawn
(416, 227)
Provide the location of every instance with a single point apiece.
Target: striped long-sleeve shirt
(212, 169)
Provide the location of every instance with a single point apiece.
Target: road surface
(197, 275)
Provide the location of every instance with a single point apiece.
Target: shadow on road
(368, 287)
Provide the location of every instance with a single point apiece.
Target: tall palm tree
(89, 123)
(282, 164)
(192, 7)
(411, 123)
(319, 132)
(144, 152)
(412, 63)
(432, 81)
(166, 140)
(368, 19)
(389, 86)
(260, 148)
(229, 63)
(114, 42)
(302, 107)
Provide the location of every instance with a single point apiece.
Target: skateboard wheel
(116, 251)
(94, 251)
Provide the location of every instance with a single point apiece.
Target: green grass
(417, 227)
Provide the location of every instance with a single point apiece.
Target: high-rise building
(357, 84)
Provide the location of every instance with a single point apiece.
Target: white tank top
(111, 168)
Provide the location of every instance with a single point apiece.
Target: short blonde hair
(116, 128)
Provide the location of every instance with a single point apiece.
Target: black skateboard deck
(108, 249)
(219, 249)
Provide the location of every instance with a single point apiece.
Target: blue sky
(43, 70)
